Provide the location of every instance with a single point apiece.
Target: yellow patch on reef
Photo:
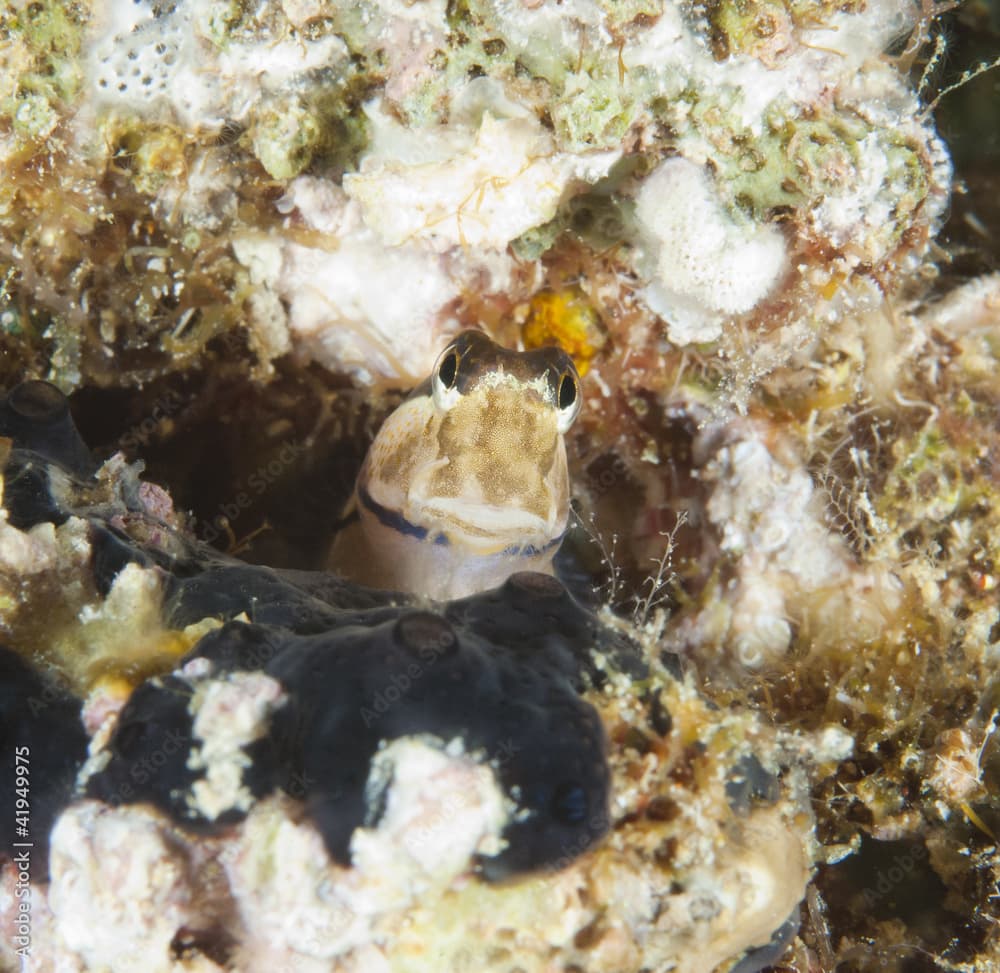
(127, 666)
(114, 685)
(564, 318)
(120, 637)
(831, 287)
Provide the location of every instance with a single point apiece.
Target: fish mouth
(481, 523)
(486, 528)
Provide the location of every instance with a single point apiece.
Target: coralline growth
(728, 213)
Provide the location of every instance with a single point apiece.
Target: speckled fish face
(466, 481)
(477, 451)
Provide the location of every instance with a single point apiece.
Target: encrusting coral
(433, 136)
(245, 226)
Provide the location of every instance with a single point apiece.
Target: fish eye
(444, 378)
(447, 369)
(568, 400)
(567, 391)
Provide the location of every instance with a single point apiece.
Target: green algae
(758, 27)
(285, 135)
(596, 109)
(43, 41)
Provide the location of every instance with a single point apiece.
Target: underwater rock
(705, 264)
(35, 416)
(363, 683)
(777, 567)
(121, 890)
(482, 189)
(319, 773)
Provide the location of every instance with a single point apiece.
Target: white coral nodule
(703, 264)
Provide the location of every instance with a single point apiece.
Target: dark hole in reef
(659, 716)
(888, 881)
(967, 120)
(750, 784)
(265, 470)
(214, 944)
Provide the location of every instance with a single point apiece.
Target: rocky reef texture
(182, 172)
(235, 230)
(332, 778)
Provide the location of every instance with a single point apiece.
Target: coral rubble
(264, 169)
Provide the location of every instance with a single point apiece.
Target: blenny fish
(466, 482)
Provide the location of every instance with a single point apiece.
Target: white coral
(228, 713)
(441, 808)
(120, 887)
(705, 264)
(357, 305)
(147, 57)
(790, 570)
(499, 181)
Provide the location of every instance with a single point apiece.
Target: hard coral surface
(180, 173)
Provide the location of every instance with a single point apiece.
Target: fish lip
(534, 536)
(486, 522)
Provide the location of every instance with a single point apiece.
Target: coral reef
(265, 169)
(235, 232)
(348, 774)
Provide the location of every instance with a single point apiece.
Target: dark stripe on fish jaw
(530, 550)
(397, 522)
